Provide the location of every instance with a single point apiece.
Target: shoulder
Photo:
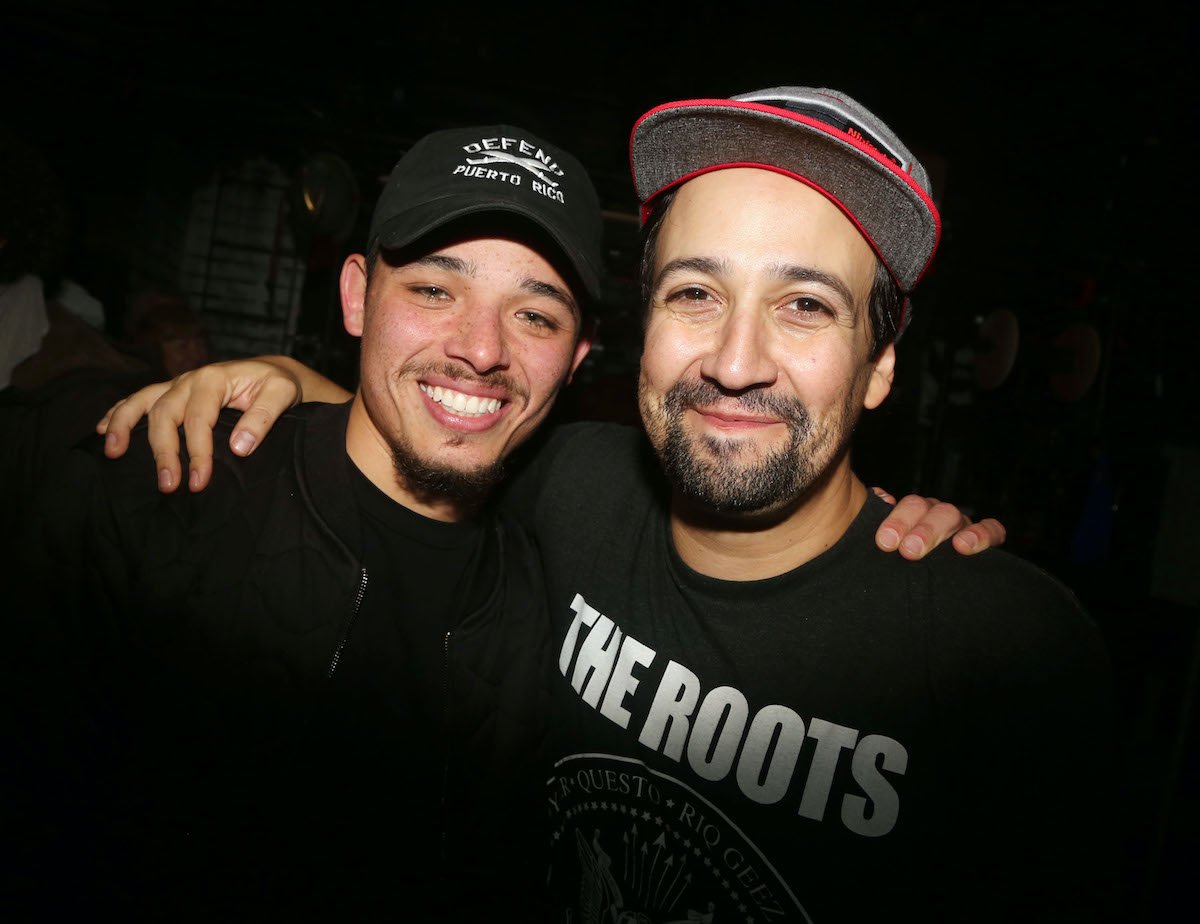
(279, 440)
(993, 611)
(993, 584)
(997, 581)
(591, 442)
(131, 480)
(1002, 621)
(314, 424)
(591, 457)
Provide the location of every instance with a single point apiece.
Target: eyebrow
(695, 264)
(538, 287)
(789, 271)
(442, 261)
(549, 290)
(811, 274)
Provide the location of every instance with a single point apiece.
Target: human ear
(883, 371)
(582, 347)
(353, 288)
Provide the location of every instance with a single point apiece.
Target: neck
(372, 455)
(739, 548)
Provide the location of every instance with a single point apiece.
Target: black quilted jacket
(189, 748)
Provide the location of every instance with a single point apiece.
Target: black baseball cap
(454, 173)
(819, 136)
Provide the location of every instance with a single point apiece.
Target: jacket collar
(323, 473)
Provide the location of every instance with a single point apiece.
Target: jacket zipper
(337, 653)
(446, 732)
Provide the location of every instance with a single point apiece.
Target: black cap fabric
(457, 172)
(817, 135)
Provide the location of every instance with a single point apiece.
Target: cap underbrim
(411, 225)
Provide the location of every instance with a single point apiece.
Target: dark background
(1061, 143)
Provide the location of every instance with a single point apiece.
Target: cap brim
(678, 141)
(413, 224)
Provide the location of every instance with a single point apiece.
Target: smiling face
(464, 349)
(757, 349)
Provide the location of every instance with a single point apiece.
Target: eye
(538, 320)
(806, 309)
(689, 295)
(691, 301)
(806, 303)
(430, 293)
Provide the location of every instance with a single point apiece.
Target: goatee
(470, 487)
(438, 483)
(725, 475)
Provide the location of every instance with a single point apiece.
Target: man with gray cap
(760, 716)
(318, 687)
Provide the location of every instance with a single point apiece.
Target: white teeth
(456, 401)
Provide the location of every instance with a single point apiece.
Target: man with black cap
(318, 687)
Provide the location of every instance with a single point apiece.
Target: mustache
(497, 379)
(701, 393)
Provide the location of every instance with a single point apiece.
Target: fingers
(985, 534)
(261, 389)
(102, 423)
(123, 416)
(917, 525)
(116, 439)
(164, 443)
(879, 492)
(194, 405)
(273, 398)
(197, 431)
(175, 407)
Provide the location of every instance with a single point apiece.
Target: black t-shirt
(424, 575)
(863, 738)
(421, 576)
(385, 729)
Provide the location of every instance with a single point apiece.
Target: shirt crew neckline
(393, 515)
(861, 529)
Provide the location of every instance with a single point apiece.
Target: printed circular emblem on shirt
(648, 850)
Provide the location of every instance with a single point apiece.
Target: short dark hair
(372, 258)
(884, 302)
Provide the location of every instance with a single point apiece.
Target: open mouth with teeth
(463, 405)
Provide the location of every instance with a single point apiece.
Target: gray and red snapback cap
(822, 138)
(460, 172)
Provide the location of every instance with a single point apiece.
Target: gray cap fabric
(822, 137)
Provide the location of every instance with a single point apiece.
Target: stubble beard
(470, 487)
(437, 482)
(726, 476)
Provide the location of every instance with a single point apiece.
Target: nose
(479, 339)
(739, 358)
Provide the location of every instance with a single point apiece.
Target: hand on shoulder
(262, 388)
(917, 525)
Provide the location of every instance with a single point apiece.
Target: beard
(442, 483)
(439, 482)
(729, 476)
